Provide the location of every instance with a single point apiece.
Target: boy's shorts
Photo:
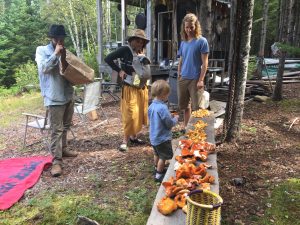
(187, 90)
(164, 150)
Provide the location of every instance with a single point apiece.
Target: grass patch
(251, 67)
(141, 204)
(11, 108)
(284, 204)
(249, 129)
(51, 208)
(290, 105)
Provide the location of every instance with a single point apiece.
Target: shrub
(26, 76)
(90, 58)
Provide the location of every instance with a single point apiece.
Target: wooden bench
(178, 217)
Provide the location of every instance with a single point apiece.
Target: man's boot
(68, 153)
(56, 170)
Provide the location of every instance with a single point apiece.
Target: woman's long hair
(190, 18)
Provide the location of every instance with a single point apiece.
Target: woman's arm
(117, 54)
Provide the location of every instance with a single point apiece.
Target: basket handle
(213, 206)
(195, 192)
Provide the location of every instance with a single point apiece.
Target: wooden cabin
(163, 20)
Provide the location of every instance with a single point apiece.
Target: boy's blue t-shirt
(190, 53)
(160, 122)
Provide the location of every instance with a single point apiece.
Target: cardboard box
(77, 72)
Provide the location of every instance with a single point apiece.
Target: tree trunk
(241, 25)
(86, 34)
(92, 35)
(291, 21)
(281, 19)
(296, 38)
(261, 52)
(108, 21)
(286, 7)
(175, 33)
(277, 93)
(205, 20)
(76, 34)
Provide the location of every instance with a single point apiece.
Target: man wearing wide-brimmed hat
(134, 100)
(57, 93)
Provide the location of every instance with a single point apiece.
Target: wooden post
(123, 14)
(149, 29)
(174, 37)
(99, 35)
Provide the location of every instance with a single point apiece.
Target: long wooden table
(178, 217)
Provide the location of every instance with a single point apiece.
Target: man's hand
(200, 84)
(58, 49)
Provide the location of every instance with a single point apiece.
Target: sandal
(123, 147)
(137, 141)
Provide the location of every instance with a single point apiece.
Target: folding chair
(37, 122)
(107, 88)
(91, 100)
(42, 124)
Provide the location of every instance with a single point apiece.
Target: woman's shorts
(164, 150)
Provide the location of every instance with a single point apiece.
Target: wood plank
(266, 82)
(178, 217)
(284, 78)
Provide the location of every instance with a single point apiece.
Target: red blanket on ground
(17, 175)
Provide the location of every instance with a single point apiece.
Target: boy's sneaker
(160, 179)
(159, 176)
(155, 171)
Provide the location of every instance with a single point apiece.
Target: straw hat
(138, 33)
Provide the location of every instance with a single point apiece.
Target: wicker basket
(204, 208)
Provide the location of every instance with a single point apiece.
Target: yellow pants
(134, 109)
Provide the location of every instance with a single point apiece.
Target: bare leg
(160, 165)
(155, 160)
(187, 115)
(125, 139)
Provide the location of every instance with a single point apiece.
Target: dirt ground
(267, 153)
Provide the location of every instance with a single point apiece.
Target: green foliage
(55, 209)
(284, 204)
(249, 129)
(140, 201)
(272, 26)
(292, 50)
(26, 75)
(251, 67)
(5, 92)
(11, 107)
(21, 31)
(90, 58)
(291, 105)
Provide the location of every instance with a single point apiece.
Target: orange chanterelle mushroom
(166, 206)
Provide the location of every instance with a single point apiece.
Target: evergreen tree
(21, 31)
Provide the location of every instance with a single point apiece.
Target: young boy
(161, 123)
